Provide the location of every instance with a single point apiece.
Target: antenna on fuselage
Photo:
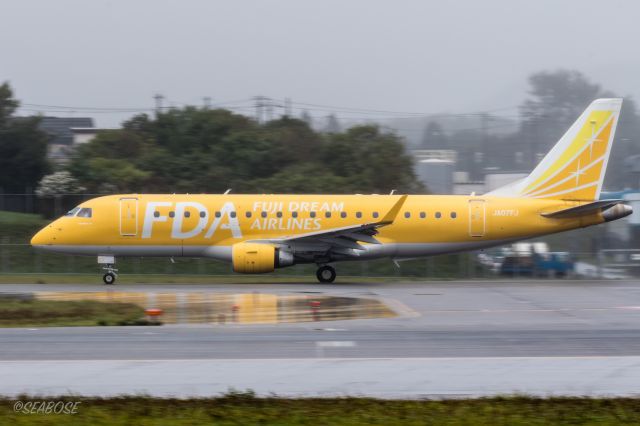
(392, 191)
(227, 191)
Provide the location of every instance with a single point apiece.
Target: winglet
(391, 214)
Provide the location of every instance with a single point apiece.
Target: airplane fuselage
(209, 225)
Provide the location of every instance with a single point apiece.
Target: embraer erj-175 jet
(261, 233)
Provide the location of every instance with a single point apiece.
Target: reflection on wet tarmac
(245, 308)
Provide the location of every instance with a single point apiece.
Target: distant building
(499, 179)
(434, 168)
(462, 185)
(66, 133)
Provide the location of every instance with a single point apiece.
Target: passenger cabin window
(312, 214)
(407, 215)
(438, 215)
(327, 214)
(294, 214)
(203, 214)
(171, 214)
(263, 214)
(248, 214)
(84, 212)
(156, 214)
(187, 214)
(454, 215)
(279, 214)
(343, 214)
(423, 215)
(218, 214)
(375, 215)
(358, 215)
(233, 214)
(72, 212)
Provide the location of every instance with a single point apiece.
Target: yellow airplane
(260, 233)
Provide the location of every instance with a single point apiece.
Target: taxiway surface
(471, 338)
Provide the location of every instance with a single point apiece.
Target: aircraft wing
(341, 241)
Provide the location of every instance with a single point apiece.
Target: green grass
(16, 312)
(245, 409)
(96, 279)
(21, 219)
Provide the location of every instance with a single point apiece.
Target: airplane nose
(43, 237)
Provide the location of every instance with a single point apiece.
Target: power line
(418, 114)
(264, 107)
(112, 109)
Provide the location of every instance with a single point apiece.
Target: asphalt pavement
(542, 337)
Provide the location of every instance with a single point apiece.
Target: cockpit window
(73, 211)
(84, 212)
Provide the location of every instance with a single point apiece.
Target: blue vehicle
(551, 264)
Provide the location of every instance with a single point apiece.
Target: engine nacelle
(616, 212)
(256, 258)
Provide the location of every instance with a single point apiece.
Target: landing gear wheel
(109, 278)
(326, 274)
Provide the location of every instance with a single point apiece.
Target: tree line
(201, 150)
(554, 101)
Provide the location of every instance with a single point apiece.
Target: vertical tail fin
(574, 168)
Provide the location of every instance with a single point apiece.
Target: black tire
(326, 274)
(109, 278)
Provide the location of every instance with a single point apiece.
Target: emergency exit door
(128, 217)
(477, 219)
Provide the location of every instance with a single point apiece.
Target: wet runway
(543, 334)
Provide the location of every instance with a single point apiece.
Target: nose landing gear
(111, 273)
(109, 277)
(326, 274)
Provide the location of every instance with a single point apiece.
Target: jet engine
(616, 212)
(256, 258)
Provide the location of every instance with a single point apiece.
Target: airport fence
(20, 258)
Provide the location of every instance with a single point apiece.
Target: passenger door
(128, 217)
(477, 220)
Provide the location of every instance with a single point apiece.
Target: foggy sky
(419, 56)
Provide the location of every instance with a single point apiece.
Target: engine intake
(256, 258)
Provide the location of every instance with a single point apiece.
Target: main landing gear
(326, 274)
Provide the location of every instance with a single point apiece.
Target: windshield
(84, 212)
(79, 212)
(73, 211)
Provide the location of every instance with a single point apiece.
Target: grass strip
(239, 408)
(23, 311)
(184, 279)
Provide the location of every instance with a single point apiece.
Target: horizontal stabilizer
(582, 210)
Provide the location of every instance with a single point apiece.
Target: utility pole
(482, 163)
(269, 109)
(259, 105)
(484, 117)
(287, 107)
(158, 98)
